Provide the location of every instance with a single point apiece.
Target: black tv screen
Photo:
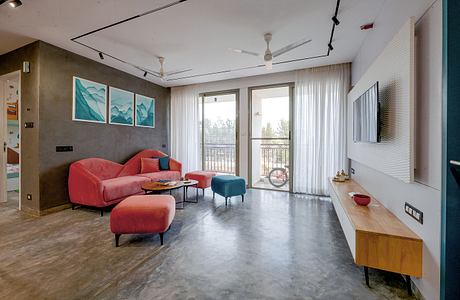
(366, 116)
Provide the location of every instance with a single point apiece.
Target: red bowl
(361, 199)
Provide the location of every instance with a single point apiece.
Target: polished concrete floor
(272, 246)
(263, 183)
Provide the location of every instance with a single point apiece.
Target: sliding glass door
(219, 132)
(269, 140)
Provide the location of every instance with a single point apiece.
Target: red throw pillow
(150, 165)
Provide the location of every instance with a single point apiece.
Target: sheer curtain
(185, 139)
(319, 127)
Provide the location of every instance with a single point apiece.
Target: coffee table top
(189, 182)
(161, 186)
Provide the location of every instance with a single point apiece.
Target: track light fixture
(330, 46)
(335, 20)
(15, 3)
(101, 56)
(12, 3)
(145, 74)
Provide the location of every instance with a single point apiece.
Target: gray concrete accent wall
(113, 142)
(29, 110)
(47, 101)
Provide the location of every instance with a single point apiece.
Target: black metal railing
(221, 158)
(273, 156)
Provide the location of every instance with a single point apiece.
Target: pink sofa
(99, 183)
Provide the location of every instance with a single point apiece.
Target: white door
(3, 135)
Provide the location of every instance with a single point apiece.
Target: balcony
(220, 158)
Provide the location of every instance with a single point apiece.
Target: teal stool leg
(213, 196)
(242, 198)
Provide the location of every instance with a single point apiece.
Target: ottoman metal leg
(117, 239)
(213, 196)
(161, 237)
(242, 198)
(226, 201)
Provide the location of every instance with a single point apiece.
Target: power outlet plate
(29, 197)
(64, 148)
(414, 212)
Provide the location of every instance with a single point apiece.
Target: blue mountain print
(145, 111)
(121, 107)
(90, 101)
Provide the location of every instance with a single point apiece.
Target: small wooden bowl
(361, 199)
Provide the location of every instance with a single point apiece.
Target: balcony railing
(221, 158)
(273, 156)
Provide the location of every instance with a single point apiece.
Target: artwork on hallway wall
(12, 99)
(145, 111)
(121, 107)
(89, 101)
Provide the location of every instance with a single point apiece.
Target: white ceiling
(194, 34)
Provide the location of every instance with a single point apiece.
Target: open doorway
(10, 168)
(219, 132)
(270, 137)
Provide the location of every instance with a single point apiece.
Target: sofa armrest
(174, 165)
(84, 187)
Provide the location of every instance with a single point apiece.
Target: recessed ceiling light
(15, 3)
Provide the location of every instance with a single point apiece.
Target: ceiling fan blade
(154, 73)
(177, 72)
(241, 51)
(291, 47)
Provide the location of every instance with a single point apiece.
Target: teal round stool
(228, 186)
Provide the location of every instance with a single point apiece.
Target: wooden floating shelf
(376, 237)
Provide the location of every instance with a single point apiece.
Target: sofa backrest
(101, 168)
(133, 165)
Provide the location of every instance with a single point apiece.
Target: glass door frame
(235, 92)
(291, 86)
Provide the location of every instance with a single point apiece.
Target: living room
(214, 157)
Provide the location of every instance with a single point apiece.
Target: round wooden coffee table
(161, 187)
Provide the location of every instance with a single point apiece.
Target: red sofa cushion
(143, 214)
(120, 187)
(150, 165)
(162, 175)
(133, 165)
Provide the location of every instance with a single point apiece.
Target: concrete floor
(263, 183)
(272, 246)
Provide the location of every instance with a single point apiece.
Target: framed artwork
(12, 99)
(121, 107)
(89, 101)
(145, 111)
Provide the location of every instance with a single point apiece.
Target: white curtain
(319, 127)
(185, 139)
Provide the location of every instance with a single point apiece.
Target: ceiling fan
(269, 55)
(164, 75)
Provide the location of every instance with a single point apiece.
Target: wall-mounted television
(366, 116)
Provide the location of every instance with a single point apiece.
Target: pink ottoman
(143, 214)
(204, 178)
